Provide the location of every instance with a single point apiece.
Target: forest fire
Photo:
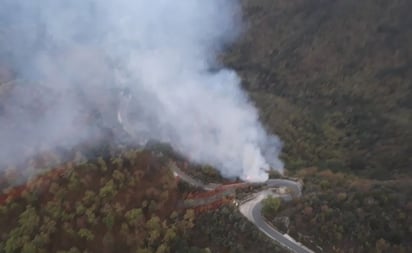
(38, 184)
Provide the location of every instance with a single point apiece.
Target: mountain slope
(332, 78)
(129, 201)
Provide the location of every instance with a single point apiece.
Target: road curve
(294, 187)
(251, 209)
(190, 180)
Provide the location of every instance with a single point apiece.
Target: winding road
(251, 208)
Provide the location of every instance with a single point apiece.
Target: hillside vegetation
(98, 206)
(126, 202)
(333, 79)
(341, 213)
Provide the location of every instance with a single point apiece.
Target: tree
(189, 218)
(381, 246)
(29, 220)
(170, 235)
(85, 233)
(270, 206)
(108, 190)
(162, 249)
(134, 216)
(154, 235)
(153, 223)
(29, 247)
(144, 250)
(109, 220)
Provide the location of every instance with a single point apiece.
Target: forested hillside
(342, 213)
(126, 202)
(333, 79)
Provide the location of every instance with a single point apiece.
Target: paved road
(190, 180)
(252, 210)
(293, 186)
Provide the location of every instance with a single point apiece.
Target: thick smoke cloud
(161, 54)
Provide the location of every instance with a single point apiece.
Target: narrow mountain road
(190, 180)
(251, 208)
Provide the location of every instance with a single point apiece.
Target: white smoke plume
(162, 52)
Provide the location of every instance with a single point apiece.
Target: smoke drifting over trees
(82, 53)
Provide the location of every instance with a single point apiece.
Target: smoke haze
(161, 54)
